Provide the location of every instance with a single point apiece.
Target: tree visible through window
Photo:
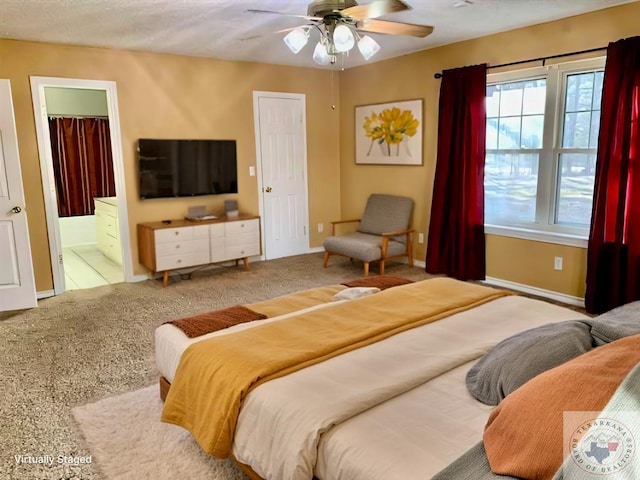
(577, 155)
(540, 159)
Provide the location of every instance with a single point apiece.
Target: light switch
(252, 171)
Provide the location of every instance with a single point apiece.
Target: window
(542, 135)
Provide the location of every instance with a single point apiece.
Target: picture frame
(389, 133)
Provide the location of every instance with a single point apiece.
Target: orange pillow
(524, 434)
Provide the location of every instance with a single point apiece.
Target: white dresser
(167, 246)
(107, 229)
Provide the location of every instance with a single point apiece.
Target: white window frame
(544, 229)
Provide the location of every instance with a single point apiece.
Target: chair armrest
(344, 221)
(387, 235)
(398, 232)
(338, 222)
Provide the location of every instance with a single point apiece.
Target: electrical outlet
(252, 171)
(320, 227)
(421, 237)
(557, 263)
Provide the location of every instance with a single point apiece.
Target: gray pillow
(620, 322)
(516, 360)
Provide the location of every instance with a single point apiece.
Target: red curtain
(82, 163)
(456, 244)
(613, 257)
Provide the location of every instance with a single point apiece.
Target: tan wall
(531, 263)
(411, 77)
(168, 96)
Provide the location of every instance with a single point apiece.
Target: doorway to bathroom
(81, 163)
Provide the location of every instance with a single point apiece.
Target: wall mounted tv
(186, 168)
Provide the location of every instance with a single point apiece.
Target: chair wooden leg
(326, 258)
(410, 250)
(381, 267)
(366, 269)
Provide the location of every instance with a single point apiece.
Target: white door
(17, 287)
(282, 158)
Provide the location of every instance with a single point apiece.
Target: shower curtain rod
(539, 59)
(77, 116)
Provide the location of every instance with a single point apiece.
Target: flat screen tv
(186, 168)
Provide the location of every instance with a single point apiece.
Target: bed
(395, 408)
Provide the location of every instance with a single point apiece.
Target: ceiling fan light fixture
(343, 39)
(368, 47)
(320, 55)
(296, 39)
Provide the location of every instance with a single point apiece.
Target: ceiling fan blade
(375, 9)
(284, 30)
(393, 28)
(307, 17)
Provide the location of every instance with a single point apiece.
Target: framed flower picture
(389, 133)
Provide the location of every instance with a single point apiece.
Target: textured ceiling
(219, 28)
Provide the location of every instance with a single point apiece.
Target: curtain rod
(539, 59)
(76, 116)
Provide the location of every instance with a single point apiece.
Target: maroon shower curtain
(613, 257)
(82, 163)
(456, 232)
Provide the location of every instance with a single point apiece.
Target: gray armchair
(383, 233)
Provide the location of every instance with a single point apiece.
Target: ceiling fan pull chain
(333, 74)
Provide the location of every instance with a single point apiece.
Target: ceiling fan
(342, 23)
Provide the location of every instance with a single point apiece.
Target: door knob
(268, 189)
(16, 209)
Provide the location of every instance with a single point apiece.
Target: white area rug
(128, 441)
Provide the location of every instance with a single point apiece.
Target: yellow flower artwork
(390, 127)
(389, 133)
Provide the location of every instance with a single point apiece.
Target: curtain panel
(82, 163)
(456, 245)
(613, 256)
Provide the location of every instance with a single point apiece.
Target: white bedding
(394, 409)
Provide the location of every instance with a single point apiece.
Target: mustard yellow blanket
(215, 375)
(295, 301)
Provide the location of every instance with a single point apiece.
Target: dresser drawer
(110, 247)
(106, 224)
(240, 251)
(244, 240)
(216, 230)
(217, 250)
(170, 262)
(201, 232)
(105, 208)
(184, 246)
(165, 235)
(233, 229)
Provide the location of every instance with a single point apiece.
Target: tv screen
(186, 168)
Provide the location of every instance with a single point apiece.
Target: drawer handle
(179, 261)
(177, 233)
(177, 246)
(242, 225)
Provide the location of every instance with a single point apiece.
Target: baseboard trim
(45, 294)
(540, 292)
(138, 278)
(316, 250)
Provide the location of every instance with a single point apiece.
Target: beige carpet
(127, 441)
